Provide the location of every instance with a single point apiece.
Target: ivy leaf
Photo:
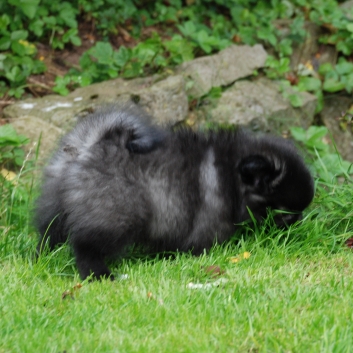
(298, 133)
(316, 133)
(180, 49)
(103, 52)
(112, 73)
(188, 29)
(9, 136)
(332, 85)
(75, 40)
(28, 7)
(344, 68)
(314, 136)
(14, 74)
(60, 85)
(37, 27)
(18, 35)
(349, 27)
(68, 16)
(133, 69)
(4, 21)
(122, 56)
(307, 83)
(325, 68)
(348, 82)
(267, 34)
(70, 36)
(203, 40)
(5, 43)
(16, 92)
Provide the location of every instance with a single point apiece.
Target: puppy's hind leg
(90, 260)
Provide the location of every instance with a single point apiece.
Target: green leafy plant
(22, 22)
(16, 66)
(10, 146)
(346, 120)
(339, 77)
(102, 62)
(197, 28)
(277, 68)
(327, 163)
(202, 36)
(107, 14)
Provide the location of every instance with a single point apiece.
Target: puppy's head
(275, 177)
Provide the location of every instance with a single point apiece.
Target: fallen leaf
(66, 294)
(236, 38)
(77, 286)
(8, 174)
(236, 259)
(71, 292)
(292, 78)
(214, 270)
(349, 242)
(152, 297)
(246, 255)
(309, 65)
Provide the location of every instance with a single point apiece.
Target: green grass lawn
(294, 293)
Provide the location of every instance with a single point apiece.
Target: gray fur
(116, 180)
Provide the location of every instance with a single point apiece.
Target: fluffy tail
(128, 125)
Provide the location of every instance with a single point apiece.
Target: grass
(294, 293)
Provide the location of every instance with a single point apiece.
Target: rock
(165, 99)
(330, 116)
(347, 7)
(38, 131)
(221, 69)
(51, 108)
(260, 105)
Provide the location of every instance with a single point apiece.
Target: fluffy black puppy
(117, 180)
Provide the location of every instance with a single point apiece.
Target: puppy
(116, 179)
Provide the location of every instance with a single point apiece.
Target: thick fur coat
(116, 180)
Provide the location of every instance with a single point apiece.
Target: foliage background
(139, 37)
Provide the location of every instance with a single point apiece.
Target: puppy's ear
(146, 143)
(258, 172)
(143, 144)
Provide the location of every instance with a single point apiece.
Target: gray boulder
(39, 132)
(261, 105)
(164, 98)
(331, 116)
(221, 69)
